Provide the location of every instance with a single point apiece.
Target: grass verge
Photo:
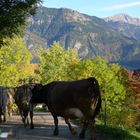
(117, 133)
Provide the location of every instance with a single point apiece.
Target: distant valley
(115, 38)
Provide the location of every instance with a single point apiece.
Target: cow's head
(36, 94)
(23, 95)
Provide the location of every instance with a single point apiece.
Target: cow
(70, 99)
(10, 92)
(6, 102)
(22, 97)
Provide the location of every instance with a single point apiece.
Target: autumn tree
(115, 92)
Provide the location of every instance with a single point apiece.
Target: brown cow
(6, 103)
(70, 99)
(22, 98)
(10, 92)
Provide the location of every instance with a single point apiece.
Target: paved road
(44, 127)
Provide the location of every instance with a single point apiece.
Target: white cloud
(122, 6)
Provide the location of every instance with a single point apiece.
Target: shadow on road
(42, 131)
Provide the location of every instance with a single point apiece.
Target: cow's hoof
(4, 120)
(25, 125)
(93, 138)
(81, 136)
(32, 126)
(73, 132)
(55, 133)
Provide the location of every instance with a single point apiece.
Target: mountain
(129, 26)
(123, 18)
(89, 36)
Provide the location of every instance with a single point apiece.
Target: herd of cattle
(68, 99)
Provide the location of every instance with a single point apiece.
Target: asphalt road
(43, 130)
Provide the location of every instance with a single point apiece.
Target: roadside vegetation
(117, 133)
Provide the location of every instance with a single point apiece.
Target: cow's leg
(0, 118)
(10, 111)
(56, 131)
(21, 113)
(4, 117)
(27, 121)
(22, 116)
(31, 117)
(25, 116)
(82, 133)
(92, 129)
(73, 131)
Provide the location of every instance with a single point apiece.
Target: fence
(117, 107)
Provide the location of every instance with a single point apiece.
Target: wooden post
(105, 113)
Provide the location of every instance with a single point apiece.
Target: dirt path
(44, 127)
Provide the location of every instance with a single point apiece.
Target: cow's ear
(39, 86)
(15, 89)
(30, 86)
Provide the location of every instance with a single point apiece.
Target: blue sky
(99, 8)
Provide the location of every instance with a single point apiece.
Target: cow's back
(70, 94)
(60, 88)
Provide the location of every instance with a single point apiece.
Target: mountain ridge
(89, 36)
(125, 24)
(124, 18)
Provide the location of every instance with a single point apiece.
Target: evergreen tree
(13, 14)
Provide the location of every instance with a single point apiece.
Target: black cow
(70, 99)
(22, 97)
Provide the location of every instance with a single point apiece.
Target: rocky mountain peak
(124, 19)
(74, 16)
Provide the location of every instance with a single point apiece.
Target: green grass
(116, 133)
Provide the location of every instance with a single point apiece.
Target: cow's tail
(96, 95)
(98, 106)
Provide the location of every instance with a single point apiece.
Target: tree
(115, 91)
(13, 14)
(56, 63)
(14, 61)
